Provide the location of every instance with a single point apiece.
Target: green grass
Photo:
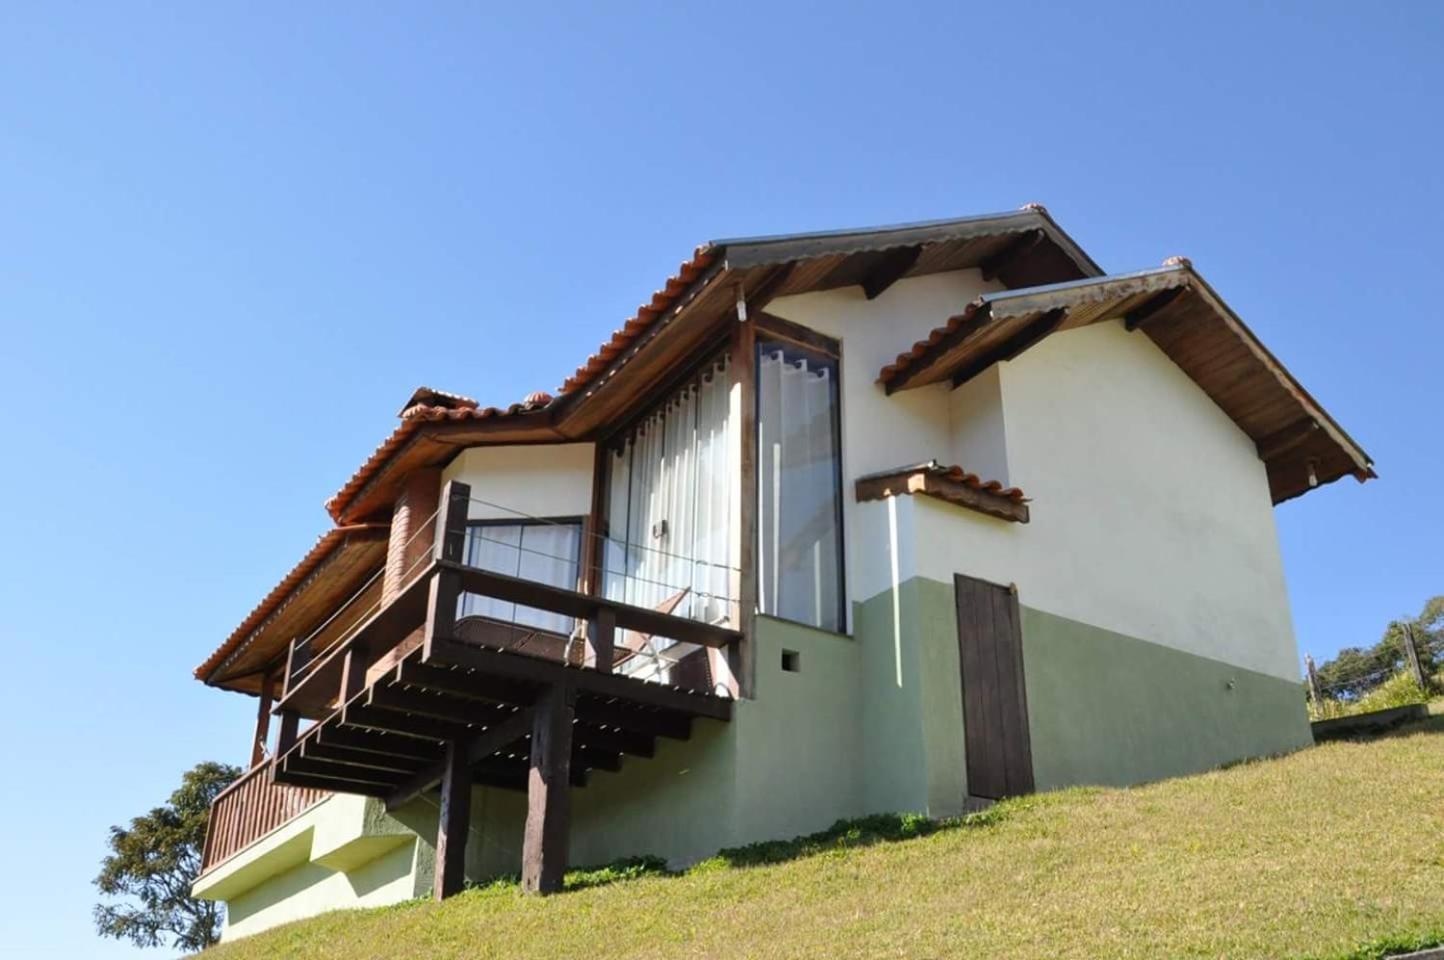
(1334, 852)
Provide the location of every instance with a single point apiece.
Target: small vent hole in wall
(791, 661)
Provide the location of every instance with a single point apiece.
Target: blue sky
(225, 231)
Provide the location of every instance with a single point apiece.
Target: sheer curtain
(799, 569)
(545, 552)
(669, 504)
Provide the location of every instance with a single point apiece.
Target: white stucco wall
(1151, 513)
(536, 481)
(881, 432)
(977, 428)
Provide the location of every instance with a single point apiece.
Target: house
(897, 519)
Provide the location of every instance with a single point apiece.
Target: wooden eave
(1022, 248)
(330, 574)
(419, 443)
(1193, 326)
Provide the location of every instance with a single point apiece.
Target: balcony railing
(396, 686)
(249, 809)
(650, 644)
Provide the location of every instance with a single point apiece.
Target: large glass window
(799, 556)
(670, 484)
(544, 551)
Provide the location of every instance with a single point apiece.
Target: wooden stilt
(262, 733)
(548, 815)
(454, 822)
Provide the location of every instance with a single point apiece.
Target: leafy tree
(1355, 671)
(1429, 632)
(148, 873)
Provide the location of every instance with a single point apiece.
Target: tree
(1354, 671)
(152, 863)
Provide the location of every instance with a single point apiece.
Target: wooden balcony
(249, 809)
(413, 698)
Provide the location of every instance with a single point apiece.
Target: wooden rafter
(894, 265)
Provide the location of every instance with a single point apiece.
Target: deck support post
(453, 823)
(548, 815)
(262, 733)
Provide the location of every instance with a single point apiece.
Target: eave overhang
(339, 563)
(1301, 445)
(1020, 248)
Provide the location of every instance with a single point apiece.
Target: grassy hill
(1333, 852)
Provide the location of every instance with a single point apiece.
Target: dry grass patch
(1336, 851)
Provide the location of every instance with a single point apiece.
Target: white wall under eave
(1151, 513)
(543, 480)
(880, 432)
(975, 422)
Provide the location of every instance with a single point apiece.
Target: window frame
(577, 522)
(771, 328)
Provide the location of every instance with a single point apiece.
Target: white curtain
(544, 552)
(798, 565)
(669, 504)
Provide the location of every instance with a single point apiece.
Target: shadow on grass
(1433, 724)
(841, 836)
(859, 833)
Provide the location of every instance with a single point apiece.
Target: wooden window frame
(580, 522)
(769, 328)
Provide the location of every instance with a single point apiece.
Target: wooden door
(995, 704)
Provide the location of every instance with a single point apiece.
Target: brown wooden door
(995, 705)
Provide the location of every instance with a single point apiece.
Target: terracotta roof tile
(990, 496)
(412, 418)
(323, 547)
(959, 475)
(920, 349)
(623, 336)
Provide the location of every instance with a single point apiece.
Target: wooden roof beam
(894, 265)
(479, 748)
(1282, 441)
(1035, 330)
(974, 319)
(1151, 308)
(1016, 249)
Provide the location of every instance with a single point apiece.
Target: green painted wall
(1104, 708)
(911, 700)
(868, 724)
(786, 764)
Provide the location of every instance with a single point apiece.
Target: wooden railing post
(450, 547)
(298, 655)
(353, 671)
(290, 726)
(602, 638)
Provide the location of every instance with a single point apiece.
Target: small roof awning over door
(1299, 442)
